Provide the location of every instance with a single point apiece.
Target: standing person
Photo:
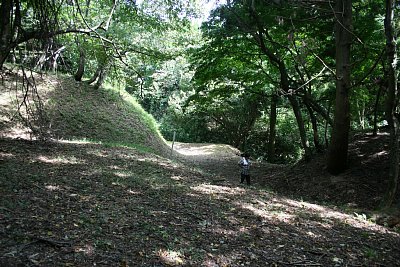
(244, 164)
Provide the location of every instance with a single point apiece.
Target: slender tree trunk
(100, 80)
(326, 126)
(337, 155)
(272, 129)
(95, 75)
(361, 113)
(391, 104)
(314, 124)
(81, 68)
(378, 96)
(296, 110)
(300, 124)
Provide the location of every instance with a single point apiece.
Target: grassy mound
(77, 111)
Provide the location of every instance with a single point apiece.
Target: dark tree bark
(6, 30)
(314, 124)
(338, 150)
(272, 128)
(81, 68)
(392, 104)
(95, 75)
(100, 79)
(300, 124)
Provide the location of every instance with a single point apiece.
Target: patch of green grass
(108, 115)
(370, 253)
(137, 147)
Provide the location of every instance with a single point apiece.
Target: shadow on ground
(76, 204)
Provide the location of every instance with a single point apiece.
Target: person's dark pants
(245, 176)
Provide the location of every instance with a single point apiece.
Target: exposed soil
(82, 204)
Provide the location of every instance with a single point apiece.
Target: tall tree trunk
(361, 113)
(392, 103)
(100, 80)
(95, 75)
(314, 124)
(81, 68)
(337, 155)
(300, 124)
(378, 96)
(326, 126)
(6, 34)
(272, 129)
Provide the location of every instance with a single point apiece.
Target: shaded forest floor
(85, 204)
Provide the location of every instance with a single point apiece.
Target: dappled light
(215, 190)
(85, 249)
(76, 141)
(196, 151)
(171, 258)
(269, 214)
(168, 212)
(123, 174)
(133, 192)
(60, 160)
(53, 187)
(98, 153)
(6, 155)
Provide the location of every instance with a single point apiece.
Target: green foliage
(215, 84)
(287, 147)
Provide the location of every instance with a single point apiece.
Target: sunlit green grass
(107, 115)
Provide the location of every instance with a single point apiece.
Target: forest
(308, 88)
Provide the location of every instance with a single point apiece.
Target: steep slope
(77, 111)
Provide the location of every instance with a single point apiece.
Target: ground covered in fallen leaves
(85, 204)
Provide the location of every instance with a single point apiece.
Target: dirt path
(81, 204)
(220, 161)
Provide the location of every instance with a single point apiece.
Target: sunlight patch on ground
(313, 235)
(330, 216)
(60, 160)
(131, 192)
(85, 249)
(97, 153)
(17, 132)
(53, 187)
(83, 141)
(171, 258)
(123, 174)
(267, 214)
(205, 149)
(115, 167)
(217, 189)
(177, 178)
(194, 151)
(6, 155)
